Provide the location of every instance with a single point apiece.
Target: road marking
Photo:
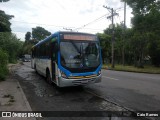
(110, 78)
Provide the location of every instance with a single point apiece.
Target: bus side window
(48, 50)
(54, 55)
(54, 51)
(33, 50)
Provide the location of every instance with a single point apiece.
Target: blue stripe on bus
(68, 73)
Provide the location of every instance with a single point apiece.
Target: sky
(59, 15)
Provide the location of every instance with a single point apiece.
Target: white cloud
(56, 14)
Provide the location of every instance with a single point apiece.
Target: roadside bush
(12, 45)
(3, 64)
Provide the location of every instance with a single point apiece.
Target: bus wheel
(48, 77)
(35, 68)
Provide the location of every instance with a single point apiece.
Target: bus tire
(48, 77)
(35, 68)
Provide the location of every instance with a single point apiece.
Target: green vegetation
(142, 41)
(39, 33)
(4, 0)
(31, 38)
(7, 96)
(10, 45)
(10, 49)
(146, 69)
(3, 64)
(4, 22)
(11, 99)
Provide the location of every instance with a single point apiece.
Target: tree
(4, 0)
(154, 48)
(118, 33)
(129, 51)
(39, 33)
(28, 36)
(146, 24)
(11, 45)
(142, 7)
(105, 42)
(4, 22)
(3, 64)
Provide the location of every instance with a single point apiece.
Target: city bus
(68, 59)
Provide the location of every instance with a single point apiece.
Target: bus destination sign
(79, 37)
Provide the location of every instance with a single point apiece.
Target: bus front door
(53, 61)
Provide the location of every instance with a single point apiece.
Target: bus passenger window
(54, 56)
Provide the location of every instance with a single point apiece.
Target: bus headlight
(63, 75)
(99, 72)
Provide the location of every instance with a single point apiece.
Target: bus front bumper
(63, 82)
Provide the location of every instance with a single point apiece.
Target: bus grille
(83, 81)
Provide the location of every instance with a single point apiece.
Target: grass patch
(3, 65)
(6, 96)
(11, 100)
(8, 104)
(146, 69)
(3, 72)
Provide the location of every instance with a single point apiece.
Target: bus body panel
(32, 63)
(42, 64)
(77, 82)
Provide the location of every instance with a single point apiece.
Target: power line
(119, 8)
(122, 8)
(91, 29)
(91, 22)
(53, 25)
(39, 24)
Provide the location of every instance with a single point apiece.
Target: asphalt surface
(137, 91)
(131, 90)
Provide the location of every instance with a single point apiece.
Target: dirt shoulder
(12, 97)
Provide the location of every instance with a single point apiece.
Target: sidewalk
(12, 97)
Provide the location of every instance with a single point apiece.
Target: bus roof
(57, 33)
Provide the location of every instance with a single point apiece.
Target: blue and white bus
(68, 58)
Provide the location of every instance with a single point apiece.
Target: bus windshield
(79, 55)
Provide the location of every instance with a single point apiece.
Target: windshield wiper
(79, 51)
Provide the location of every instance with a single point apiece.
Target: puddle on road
(40, 90)
(26, 73)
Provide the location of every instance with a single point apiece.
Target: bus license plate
(85, 81)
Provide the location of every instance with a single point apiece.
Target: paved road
(132, 90)
(137, 91)
(45, 97)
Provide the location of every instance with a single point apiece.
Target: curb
(25, 99)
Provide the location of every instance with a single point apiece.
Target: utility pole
(124, 31)
(113, 13)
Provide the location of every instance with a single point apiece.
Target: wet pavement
(45, 97)
(137, 91)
